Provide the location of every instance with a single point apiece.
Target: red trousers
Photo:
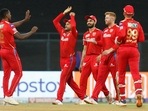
(107, 64)
(90, 65)
(131, 56)
(67, 66)
(10, 62)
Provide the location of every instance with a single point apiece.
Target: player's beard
(90, 26)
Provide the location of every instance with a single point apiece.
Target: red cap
(66, 20)
(129, 9)
(91, 17)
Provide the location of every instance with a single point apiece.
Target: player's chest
(66, 36)
(92, 35)
(109, 33)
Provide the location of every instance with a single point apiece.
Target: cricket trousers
(67, 65)
(10, 62)
(107, 64)
(131, 56)
(90, 66)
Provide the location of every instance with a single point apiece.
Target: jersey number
(132, 35)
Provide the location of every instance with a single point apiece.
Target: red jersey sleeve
(14, 30)
(141, 37)
(73, 25)
(100, 42)
(57, 24)
(115, 46)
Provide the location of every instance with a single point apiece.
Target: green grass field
(72, 107)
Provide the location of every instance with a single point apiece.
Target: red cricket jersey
(130, 33)
(93, 49)
(7, 35)
(109, 35)
(67, 39)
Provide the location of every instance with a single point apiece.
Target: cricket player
(68, 38)
(92, 41)
(108, 60)
(9, 56)
(130, 34)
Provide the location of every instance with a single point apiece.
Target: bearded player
(130, 34)
(92, 41)
(108, 60)
(9, 55)
(68, 38)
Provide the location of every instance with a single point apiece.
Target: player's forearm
(58, 18)
(82, 58)
(23, 36)
(19, 23)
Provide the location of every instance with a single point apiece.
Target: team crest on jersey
(111, 30)
(1, 26)
(132, 25)
(106, 30)
(94, 34)
(87, 35)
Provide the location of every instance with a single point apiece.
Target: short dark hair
(3, 13)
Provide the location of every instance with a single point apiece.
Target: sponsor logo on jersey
(106, 35)
(132, 25)
(64, 39)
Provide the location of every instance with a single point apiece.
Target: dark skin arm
(20, 36)
(27, 18)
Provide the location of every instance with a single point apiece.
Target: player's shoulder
(136, 21)
(116, 26)
(122, 22)
(97, 30)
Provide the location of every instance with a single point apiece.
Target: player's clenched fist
(34, 29)
(72, 14)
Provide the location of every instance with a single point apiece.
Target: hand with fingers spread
(67, 10)
(27, 16)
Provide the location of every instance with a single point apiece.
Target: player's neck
(5, 19)
(111, 25)
(91, 29)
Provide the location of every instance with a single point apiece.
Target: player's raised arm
(27, 18)
(26, 35)
(73, 23)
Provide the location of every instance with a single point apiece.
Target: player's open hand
(34, 29)
(72, 14)
(68, 9)
(27, 15)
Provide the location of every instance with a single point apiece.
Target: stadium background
(41, 51)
